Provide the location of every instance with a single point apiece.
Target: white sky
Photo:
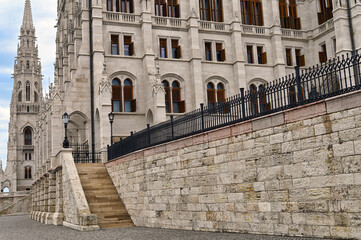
(11, 16)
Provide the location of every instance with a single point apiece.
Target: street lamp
(66, 120)
(111, 119)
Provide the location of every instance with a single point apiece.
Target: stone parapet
(293, 173)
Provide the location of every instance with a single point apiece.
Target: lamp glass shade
(111, 116)
(65, 118)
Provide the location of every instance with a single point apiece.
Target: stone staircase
(102, 196)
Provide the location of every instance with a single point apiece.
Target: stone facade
(71, 91)
(295, 172)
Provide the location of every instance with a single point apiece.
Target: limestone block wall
(297, 172)
(22, 206)
(7, 201)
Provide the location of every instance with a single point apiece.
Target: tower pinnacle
(28, 17)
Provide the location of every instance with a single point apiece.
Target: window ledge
(128, 113)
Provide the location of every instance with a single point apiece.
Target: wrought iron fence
(82, 154)
(337, 76)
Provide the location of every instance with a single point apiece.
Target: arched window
(27, 91)
(28, 172)
(116, 95)
(252, 13)
(176, 97)
(168, 106)
(211, 10)
(20, 96)
(211, 95)
(35, 96)
(36, 85)
(221, 97)
(28, 136)
(288, 14)
(19, 85)
(254, 102)
(27, 64)
(129, 102)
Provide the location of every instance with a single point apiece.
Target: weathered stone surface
(301, 178)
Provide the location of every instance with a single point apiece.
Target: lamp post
(66, 120)
(111, 119)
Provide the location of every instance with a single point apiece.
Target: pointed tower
(24, 108)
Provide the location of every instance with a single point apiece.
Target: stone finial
(28, 17)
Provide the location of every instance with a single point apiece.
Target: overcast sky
(11, 16)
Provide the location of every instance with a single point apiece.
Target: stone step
(102, 196)
(116, 224)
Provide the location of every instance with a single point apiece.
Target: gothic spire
(28, 17)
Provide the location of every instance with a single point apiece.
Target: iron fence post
(172, 126)
(148, 134)
(299, 88)
(243, 105)
(202, 113)
(108, 152)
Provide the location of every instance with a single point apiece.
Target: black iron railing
(338, 76)
(82, 154)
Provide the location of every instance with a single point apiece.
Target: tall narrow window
(292, 95)
(115, 44)
(261, 56)
(211, 95)
(283, 14)
(27, 136)
(109, 5)
(129, 102)
(173, 8)
(168, 106)
(221, 96)
(252, 13)
(163, 48)
(116, 95)
(325, 13)
(26, 156)
(35, 96)
(20, 96)
(250, 54)
(30, 156)
(208, 51)
(160, 8)
(289, 56)
(323, 54)
(220, 52)
(300, 59)
(27, 91)
(254, 101)
(176, 97)
(27, 173)
(128, 46)
(211, 10)
(264, 106)
(294, 20)
(176, 49)
(127, 6)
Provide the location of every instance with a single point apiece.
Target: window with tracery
(325, 11)
(28, 173)
(288, 14)
(125, 95)
(173, 97)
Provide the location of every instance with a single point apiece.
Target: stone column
(51, 198)
(58, 216)
(45, 196)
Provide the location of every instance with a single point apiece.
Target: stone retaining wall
(21, 206)
(297, 172)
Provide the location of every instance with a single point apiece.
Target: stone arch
(122, 75)
(257, 82)
(150, 117)
(78, 123)
(215, 81)
(6, 184)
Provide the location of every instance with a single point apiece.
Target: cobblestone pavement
(23, 228)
